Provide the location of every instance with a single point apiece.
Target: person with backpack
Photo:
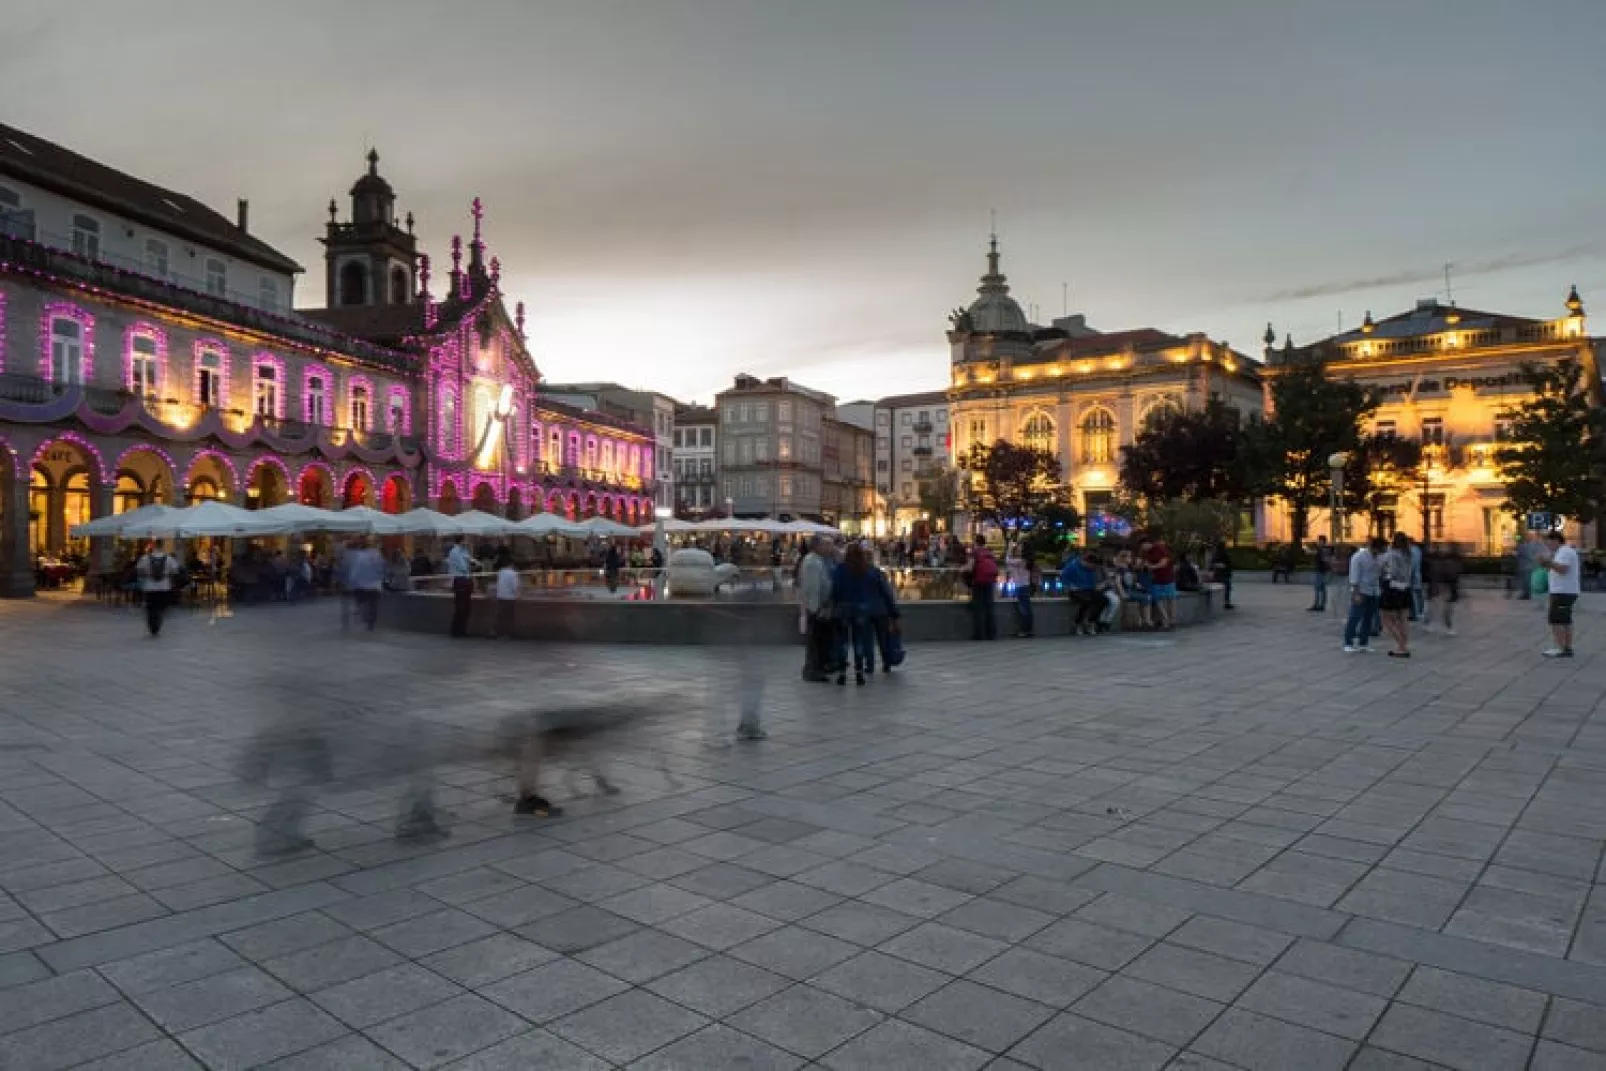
(156, 570)
(981, 573)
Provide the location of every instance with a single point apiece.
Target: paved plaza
(1231, 847)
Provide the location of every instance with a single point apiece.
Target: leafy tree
(1314, 417)
(1194, 454)
(1379, 468)
(939, 497)
(1011, 484)
(1052, 530)
(1555, 458)
(1191, 524)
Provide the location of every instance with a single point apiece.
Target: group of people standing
(847, 605)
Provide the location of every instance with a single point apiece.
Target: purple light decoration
(272, 461)
(157, 335)
(223, 460)
(96, 460)
(518, 319)
(2, 330)
(314, 466)
(218, 348)
(66, 310)
(281, 380)
(459, 282)
(352, 383)
(496, 273)
(351, 473)
(308, 372)
(423, 292)
(449, 437)
(392, 394)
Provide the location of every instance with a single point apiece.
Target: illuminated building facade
(1076, 392)
(1447, 377)
(148, 353)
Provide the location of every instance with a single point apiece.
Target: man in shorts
(1156, 558)
(1565, 576)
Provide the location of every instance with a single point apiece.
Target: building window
(783, 412)
(761, 412)
(906, 441)
(572, 458)
(360, 401)
(86, 236)
(881, 465)
(209, 378)
(156, 258)
(66, 351)
(746, 451)
(1502, 429)
(678, 442)
(730, 415)
(1384, 429)
(217, 277)
(705, 437)
(1098, 437)
(730, 452)
(978, 430)
(591, 453)
(143, 363)
(317, 400)
(1433, 431)
(607, 457)
(1036, 434)
(398, 286)
(761, 449)
(908, 465)
(267, 293)
(265, 390)
(705, 467)
(785, 450)
(396, 411)
(554, 449)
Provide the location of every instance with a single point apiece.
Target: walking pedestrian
(852, 586)
(1566, 583)
(1528, 552)
(1025, 576)
(1419, 603)
(1394, 587)
(1363, 587)
(1320, 568)
(981, 573)
(1221, 573)
(365, 576)
(885, 619)
(460, 567)
(507, 594)
(611, 564)
(814, 599)
(1444, 584)
(155, 569)
(1162, 572)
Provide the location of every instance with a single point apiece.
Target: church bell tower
(370, 260)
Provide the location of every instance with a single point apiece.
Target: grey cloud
(1458, 269)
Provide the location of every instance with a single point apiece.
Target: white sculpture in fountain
(692, 574)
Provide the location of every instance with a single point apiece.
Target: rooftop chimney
(242, 213)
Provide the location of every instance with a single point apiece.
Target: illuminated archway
(267, 483)
(316, 485)
(448, 502)
(358, 490)
(396, 496)
(144, 476)
(484, 498)
(211, 476)
(515, 504)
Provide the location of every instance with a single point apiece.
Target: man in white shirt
(155, 570)
(460, 567)
(365, 576)
(1566, 582)
(814, 593)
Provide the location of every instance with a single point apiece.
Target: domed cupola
(994, 312)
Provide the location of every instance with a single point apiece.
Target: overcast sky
(681, 190)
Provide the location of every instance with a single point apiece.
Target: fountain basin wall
(693, 622)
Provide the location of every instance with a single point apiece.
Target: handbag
(1539, 581)
(895, 653)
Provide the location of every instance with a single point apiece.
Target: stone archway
(211, 476)
(358, 489)
(16, 579)
(537, 500)
(315, 486)
(589, 505)
(484, 498)
(571, 508)
(447, 501)
(515, 504)
(64, 481)
(396, 496)
(267, 483)
(144, 476)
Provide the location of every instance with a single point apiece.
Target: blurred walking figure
(155, 570)
(1444, 584)
(1025, 576)
(885, 620)
(1221, 573)
(365, 576)
(1395, 598)
(981, 573)
(507, 594)
(612, 562)
(852, 585)
(460, 567)
(814, 596)
(1320, 568)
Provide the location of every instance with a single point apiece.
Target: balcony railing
(923, 427)
(923, 451)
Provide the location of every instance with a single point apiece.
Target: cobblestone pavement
(1236, 847)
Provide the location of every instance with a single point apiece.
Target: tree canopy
(1012, 484)
(1197, 455)
(1554, 459)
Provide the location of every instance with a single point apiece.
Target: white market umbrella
(541, 524)
(809, 528)
(672, 525)
(114, 524)
(607, 528)
(209, 518)
(303, 518)
(378, 521)
(421, 521)
(479, 523)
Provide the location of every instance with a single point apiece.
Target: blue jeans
(1362, 619)
(1320, 598)
(1023, 607)
(855, 626)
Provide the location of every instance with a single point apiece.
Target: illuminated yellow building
(1448, 376)
(1079, 393)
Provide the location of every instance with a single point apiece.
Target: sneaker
(745, 731)
(1364, 649)
(1551, 652)
(1350, 648)
(1449, 632)
(1566, 652)
(536, 805)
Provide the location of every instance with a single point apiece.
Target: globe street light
(1336, 463)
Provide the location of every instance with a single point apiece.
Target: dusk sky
(681, 190)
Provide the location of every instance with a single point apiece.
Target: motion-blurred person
(1444, 585)
(1024, 574)
(156, 570)
(1320, 569)
(612, 563)
(460, 567)
(814, 597)
(365, 576)
(1221, 573)
(507, 594)
(885, 619)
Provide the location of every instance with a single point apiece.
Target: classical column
(100, 548)
(17, 580)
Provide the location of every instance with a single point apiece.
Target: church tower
(370, 260)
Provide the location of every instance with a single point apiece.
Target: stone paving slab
(1234, 847)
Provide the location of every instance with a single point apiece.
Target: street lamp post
(1336, 463)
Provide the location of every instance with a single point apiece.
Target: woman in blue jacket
(853, 591)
